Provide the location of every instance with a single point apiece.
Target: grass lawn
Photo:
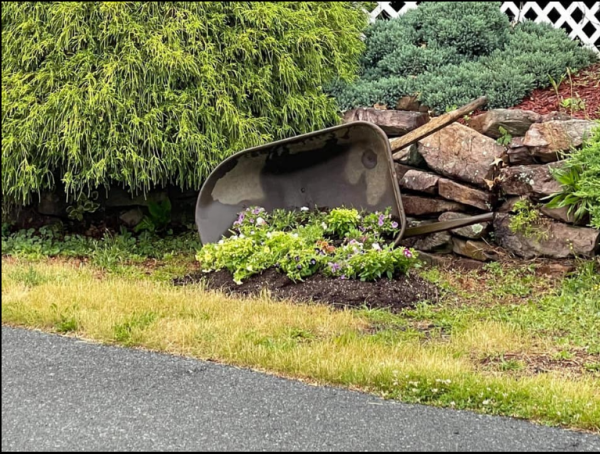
(508, 341)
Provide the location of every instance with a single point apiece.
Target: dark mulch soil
(397, 294)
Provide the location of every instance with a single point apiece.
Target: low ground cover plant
(449, 53)
(342, 243)
(110, 251)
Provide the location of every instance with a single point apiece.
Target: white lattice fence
(581, 20)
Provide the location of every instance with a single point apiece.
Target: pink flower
(394, 225)
(407, 253)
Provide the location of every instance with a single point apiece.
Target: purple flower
(251, 220)
(334, 267)
(381, 220)
(394, 225)
(313, 261)
(257, 210)
(299, 267)
(343, 276)
(361, 228)
(407, 253)
(297, 258)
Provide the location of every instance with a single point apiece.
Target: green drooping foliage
(580, 180)
(449, 53)
(143, 94)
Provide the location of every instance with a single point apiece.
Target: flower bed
(341, 243)
(312, 249)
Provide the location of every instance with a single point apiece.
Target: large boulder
(393, 122)
(472, 232)
(417, 180)
(476, 250)
(462, 153)
(415, 205)
(556, 240)
(440, 242)
(520, 156)
(401, 170)
(461, 193)
(547, 140)
(516, 122)
(534, 180)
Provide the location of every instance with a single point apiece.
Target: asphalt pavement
(61, 393)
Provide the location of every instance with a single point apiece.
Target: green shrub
(144, 94)
(580, 180)
(451, 53)
(472, 28)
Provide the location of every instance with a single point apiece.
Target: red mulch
(586, 86)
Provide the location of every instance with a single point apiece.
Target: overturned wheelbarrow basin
(348, 165)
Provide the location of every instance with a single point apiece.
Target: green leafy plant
(573, 104)
(580, 182)
(145, 94)
(528, 221)
(158, 219)
(505, 137)
(556, 84)
(83, 205)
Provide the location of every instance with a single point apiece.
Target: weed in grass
(29, 277)
(66, 325)
(592, 367)
(124, 332)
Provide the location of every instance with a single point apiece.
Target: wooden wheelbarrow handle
(434, 125)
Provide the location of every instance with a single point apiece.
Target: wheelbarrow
(350, 165)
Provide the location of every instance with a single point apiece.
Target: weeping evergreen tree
(145, 94)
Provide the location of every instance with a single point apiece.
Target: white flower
(269, 234)
(260, 221)
(376, 247)
(234, 237)
(304, 209)
(242, 235)
(324, 225)
(252, 233)
(295, 235)
(220, 241)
